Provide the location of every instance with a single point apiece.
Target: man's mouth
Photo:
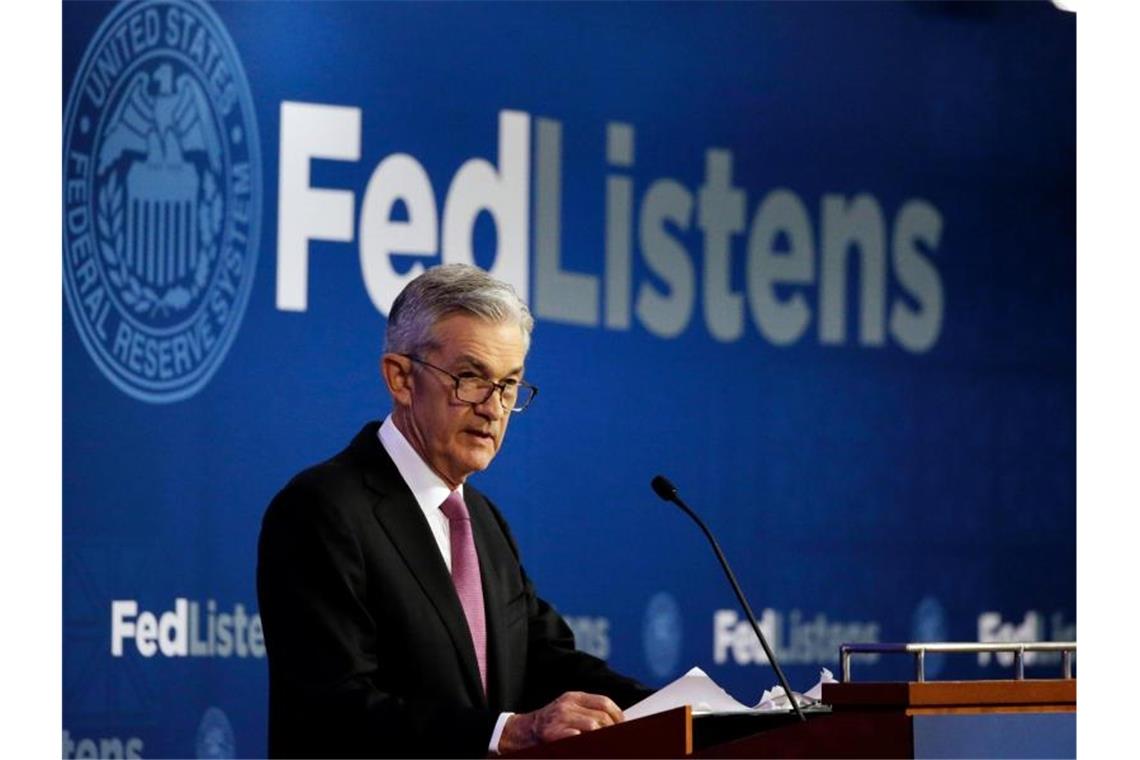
(482, 434)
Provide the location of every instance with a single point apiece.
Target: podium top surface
(1038, 694)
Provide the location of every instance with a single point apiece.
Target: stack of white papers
(700, 692)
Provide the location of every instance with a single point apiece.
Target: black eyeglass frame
(500, 387)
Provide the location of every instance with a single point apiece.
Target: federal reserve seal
(161, 197)
(661, 634)
(215, 737)
(929, 624)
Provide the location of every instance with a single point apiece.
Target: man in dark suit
(397, 617)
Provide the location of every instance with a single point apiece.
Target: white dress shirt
(430, 492)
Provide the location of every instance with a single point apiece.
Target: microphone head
(663, 488)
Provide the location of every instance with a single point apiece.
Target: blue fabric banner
(814, 262)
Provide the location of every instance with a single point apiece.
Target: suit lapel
(404, 521)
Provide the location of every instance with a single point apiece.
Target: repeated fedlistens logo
(591, 634)
(795, 638)
(129, 747)
(162, 197)
(185, 631)
(992, 628)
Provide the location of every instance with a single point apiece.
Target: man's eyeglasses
(515, 396)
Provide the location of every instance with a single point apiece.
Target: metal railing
(919, 650)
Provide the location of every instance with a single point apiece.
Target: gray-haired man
(397, 617)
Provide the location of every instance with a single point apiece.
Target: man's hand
(571, 714)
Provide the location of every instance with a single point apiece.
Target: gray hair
(445, 290)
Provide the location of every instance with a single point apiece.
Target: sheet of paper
(825, 676)
(694, 688)
(697, 689)
(774, 699)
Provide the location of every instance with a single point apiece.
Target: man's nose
(492, 406)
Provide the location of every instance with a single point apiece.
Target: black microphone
(667, 491)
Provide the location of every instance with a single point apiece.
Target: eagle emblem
(162, 197)
(159, 227)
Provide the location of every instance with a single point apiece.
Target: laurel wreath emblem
(140, 297)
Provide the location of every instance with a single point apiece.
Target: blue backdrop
(814, 262)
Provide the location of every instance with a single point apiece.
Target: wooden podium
(1023, 718)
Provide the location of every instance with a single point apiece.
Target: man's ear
(397, 373)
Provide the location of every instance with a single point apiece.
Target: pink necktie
(465, 576)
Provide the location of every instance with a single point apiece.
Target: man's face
(454, 437)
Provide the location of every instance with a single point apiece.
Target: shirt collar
(428, 488)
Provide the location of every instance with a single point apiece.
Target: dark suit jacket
(369, 652)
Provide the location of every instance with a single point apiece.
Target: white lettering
(916, 329)
(559, 295)
(720, 215)
(993, 630)
(121, 628)
(619, 224)
(724, 623)
(505, 194)
(304, 213)
(399, 217)
(106, 747)
(183, 632)
(793, 639)
(172, 631)
(146, 633)
(858, 225)
(666, 316)
(256, 637)
(591, 634)
(781, 216)
(398, 178)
